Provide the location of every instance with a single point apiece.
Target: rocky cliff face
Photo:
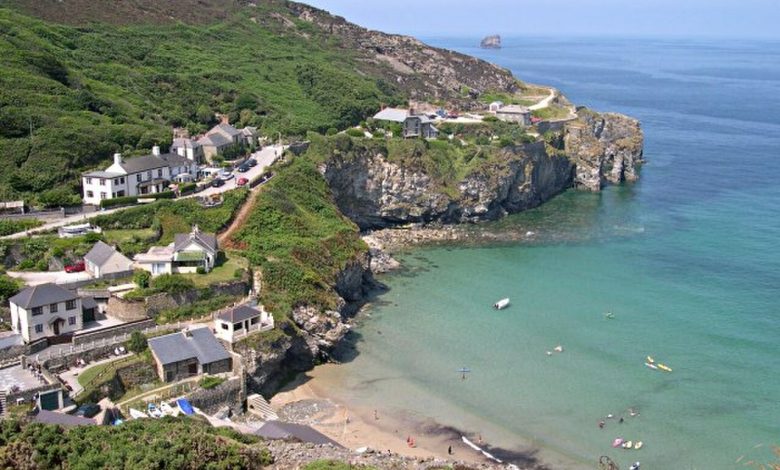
(594, 150)
(491, 42)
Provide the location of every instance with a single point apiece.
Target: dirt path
(225, 239)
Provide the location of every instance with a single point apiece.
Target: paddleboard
(650, 365)
(664, 368)
(650, 359)
(628, 445)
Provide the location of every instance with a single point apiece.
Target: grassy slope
(90, 91)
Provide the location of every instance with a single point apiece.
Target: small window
(254, 321)
(225, 326)
(37, 311)
(122, 180)
(39, 328)
(149, 174)
(90, 194)
(88, 180)
(116, 181)
(53, 308)
(70, 305)
(138, 178)
(102, 182)
(159, 173)
(71, 321)
(103, 195)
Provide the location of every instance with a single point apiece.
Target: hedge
(130, 200)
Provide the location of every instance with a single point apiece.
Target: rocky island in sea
(491, 42)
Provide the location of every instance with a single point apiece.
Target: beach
(307, 400)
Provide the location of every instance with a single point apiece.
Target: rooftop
(43, 294)
(239, 314)
(514, 109)
(206, 240)
(392, 114)
(102, 174)
(100, 253)
(200, 343)
(138, 164)
(62, 419)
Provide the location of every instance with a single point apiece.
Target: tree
(8, 287)
(137, 342)
(141, 279)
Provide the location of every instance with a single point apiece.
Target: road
(264, 157)
(545, 102)
(43, 277)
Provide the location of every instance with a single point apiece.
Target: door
(192, 369)
(56, 327)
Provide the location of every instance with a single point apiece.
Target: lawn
(223, 272)
(115, 237)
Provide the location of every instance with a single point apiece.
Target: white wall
(26, 321)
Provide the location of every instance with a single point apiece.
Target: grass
(209, 382)
(119, 236)
(223, 272)
(551, 113)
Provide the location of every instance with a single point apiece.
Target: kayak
(650, 359)
(628, 445)
(651, 365)
(638, 445)
(135, 414)
(185, 406)
(617, 442)
(664, 368)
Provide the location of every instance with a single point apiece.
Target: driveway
(264, 157)
(56, 277)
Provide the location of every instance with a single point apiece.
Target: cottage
(138, 176)
(187, 253)
(413, 124)
(515, 113)
(236, 323)
(495, 106)
(104, 261)
(189, 353)
(187, 148)
(222, 136)
(46, 311)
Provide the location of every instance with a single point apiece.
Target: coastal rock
(491, 42)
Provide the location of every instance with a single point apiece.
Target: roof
(138, 164)
(100, 253)
(239, 314)
(206, 240)
(514, 109)
(217, 140)
(392, 114)
(282, 430)
(88, 302)
(102, 174)
(200, 344)
(174, 159)
(184, 143)
(422, 117)
(224, 129)
(52, 417)
(44, 294)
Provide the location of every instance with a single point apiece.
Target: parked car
(75, 267)
(226, 174)
(87, 410)
(251, 162)
(242, 181)
(243, 168)
(217, 182)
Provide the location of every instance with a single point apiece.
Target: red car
(75, 267)
(242, 181)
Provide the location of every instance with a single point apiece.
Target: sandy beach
(307, 401)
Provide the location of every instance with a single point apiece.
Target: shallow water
(687, 259)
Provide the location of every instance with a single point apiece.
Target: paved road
(264, 157)
(545, 102)
(56, 277)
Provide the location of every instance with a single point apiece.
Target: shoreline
(385, 430)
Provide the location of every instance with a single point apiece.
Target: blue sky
(656, 18)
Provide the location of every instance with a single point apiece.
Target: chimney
(156, 150)
(117, 159)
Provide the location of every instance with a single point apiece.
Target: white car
(226, 174)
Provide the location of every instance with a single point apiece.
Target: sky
(650, 18)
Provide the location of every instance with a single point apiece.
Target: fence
(110, 367)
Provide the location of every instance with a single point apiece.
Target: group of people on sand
(631, 412)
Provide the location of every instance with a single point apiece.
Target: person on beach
(620, 420)
(449, 450)
(376, 415)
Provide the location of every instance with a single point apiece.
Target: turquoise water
(687, 259)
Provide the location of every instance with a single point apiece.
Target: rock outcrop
(590, 152)
(491, 42)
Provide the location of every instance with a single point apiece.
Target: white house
(188, 148)
(46, 310)
(104, 261)
(414, 124)
(187, 253)
(135, 176)
(495, 106)
(514, 113)
(236, 323)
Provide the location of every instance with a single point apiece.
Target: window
(254, 321)
(39, 328)
(88, 180)
(122, 180)
(37, 311)
(159, 173)
(138, 178)
(103, 195)
(120, 193)
(90, 194)
(70, 305)
(102, 182)
(53, 308)
(116, 181)
(149, 174)
(225, 326)
(71, 321)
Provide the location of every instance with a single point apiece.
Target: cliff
(376, 192)
(491, 42)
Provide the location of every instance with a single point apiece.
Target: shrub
(8, 287)
(352, 132)
(239, 273)
(210, 381)
(172, 283)
(200, 270)
(118, 201)
(141, 279)
(331, 131)
(137, 342)
(10, 226)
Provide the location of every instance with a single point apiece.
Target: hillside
(70, 96)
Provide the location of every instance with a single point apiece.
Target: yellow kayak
(650, 359)
(638, 445)
(664, 368)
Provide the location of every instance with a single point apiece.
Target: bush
(200, 270)
(119, 201)
(137, 342)
(209, 382)
(8, 287)
(352, 132)
(172, 283)
(331, 131)
(239, 273)
(58, 197)
(10, 226)
(141, 279)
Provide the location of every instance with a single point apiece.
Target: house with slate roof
(104, 262)
(235, 323)
(187, 253)
(222, 136)
(46, 311)
(189, 353)
(414, 124)
(137, 176)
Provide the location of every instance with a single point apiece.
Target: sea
(687, 260)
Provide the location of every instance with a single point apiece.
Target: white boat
(166, 409)
(153, 411)
(135, 414)
(501, 304)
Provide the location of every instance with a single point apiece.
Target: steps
(258, 405)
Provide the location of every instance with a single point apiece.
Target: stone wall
(227, 393)
(67, 359)
(110, 332)
(159, 302)
(126, 310)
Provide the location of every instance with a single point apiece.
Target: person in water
(449, 450)
(601, 424)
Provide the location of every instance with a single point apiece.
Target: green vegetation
(551, 113)
(334, 465)
(206, 304)
(8, 288)
(297, 235)
(160, 443)
(210, 381)
(225, 270)
(9, 226)
(96, 380)
(137, 342)
(70, 97)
